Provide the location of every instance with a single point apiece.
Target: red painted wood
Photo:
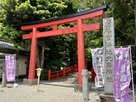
(49, 74)
(85, 27)
(81, 54)
(32, 65)
(52, 33)
(91, 27)
(55, 27)
(64, 72)
(27, 36)
(61, 73)
(63, 21)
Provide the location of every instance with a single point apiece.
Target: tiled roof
(7, 45)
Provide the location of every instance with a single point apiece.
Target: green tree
(13, 13)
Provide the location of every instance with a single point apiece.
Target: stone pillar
(85, 85)
(108, 42)
(4, 79)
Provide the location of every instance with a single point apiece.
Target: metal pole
(132, 75)
(85, 85)
(38, 83)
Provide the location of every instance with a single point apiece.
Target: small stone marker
(4, 79)
(38, 74)
(85, 85)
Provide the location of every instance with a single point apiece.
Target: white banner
(97, 56)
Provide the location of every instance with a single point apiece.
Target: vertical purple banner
(10, 63)
(122, 75)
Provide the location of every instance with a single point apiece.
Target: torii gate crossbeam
(80, 28)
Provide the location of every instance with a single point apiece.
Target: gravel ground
(49, 92)
(54, 91)
(61, 90)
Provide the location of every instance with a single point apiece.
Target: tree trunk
(135, 19)
(135, 26)
(42, 56)
(38, 57)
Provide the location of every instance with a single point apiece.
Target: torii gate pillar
(32, 64)
(81, 53)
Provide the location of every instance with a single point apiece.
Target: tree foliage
(16, 12)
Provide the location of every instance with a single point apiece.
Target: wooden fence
(62, 73)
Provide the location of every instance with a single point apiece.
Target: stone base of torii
(106, 98)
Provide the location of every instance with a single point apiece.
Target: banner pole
(15, 70)
(132, 75)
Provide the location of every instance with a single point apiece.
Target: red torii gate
(80, 28)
